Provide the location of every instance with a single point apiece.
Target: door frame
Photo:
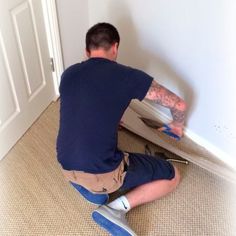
(54, 42)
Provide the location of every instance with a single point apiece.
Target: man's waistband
(100, 183)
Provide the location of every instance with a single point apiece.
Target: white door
(26, 84)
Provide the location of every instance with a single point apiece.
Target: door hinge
(52, 64)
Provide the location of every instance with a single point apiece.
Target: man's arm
(166, 98)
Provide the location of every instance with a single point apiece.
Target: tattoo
(178, 116)
(166, 98)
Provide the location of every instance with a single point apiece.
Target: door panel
(9, 104)
(27, 39)
(26, 84)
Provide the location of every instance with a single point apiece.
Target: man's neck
(100, 53)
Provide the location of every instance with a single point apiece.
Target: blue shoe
(98, 199)
(113, 221)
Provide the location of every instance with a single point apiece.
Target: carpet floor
(35, 199)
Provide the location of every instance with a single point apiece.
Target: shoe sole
(89, 196)
(110, 226)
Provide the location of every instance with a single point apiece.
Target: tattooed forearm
(161, 95)
(164, 97)
(178, 116)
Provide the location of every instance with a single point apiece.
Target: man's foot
(97, 199)
(113, 221)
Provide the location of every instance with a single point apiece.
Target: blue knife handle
(169, 133)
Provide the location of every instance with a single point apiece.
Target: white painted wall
(187, 45)
(73, 21)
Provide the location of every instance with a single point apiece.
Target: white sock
(120, 203)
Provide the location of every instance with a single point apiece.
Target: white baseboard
(148, 109)
(135, 125)
(217, 152)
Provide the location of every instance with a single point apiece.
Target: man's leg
(152, 191)
(153, 178)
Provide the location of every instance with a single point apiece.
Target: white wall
(187, 45)
(73, 21)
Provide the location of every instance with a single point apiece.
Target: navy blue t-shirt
(94, 95)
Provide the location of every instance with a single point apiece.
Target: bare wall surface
(73, 21)
(188, 46)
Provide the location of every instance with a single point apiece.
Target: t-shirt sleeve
(140, 83)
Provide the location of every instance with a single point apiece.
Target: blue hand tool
(168, 132)
(156, 125)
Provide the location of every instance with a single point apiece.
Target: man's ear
(115, 48)
(87, 53)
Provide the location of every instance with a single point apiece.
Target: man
(94, 95)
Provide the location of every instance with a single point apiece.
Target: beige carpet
(36, 200)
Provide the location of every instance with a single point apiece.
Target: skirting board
(147, 110)
(132, 122)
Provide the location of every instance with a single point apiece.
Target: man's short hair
(101, 35)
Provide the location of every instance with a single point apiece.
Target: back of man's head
(101, 35)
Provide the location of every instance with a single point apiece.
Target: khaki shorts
(99, 183)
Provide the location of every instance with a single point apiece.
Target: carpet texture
(36, 200)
